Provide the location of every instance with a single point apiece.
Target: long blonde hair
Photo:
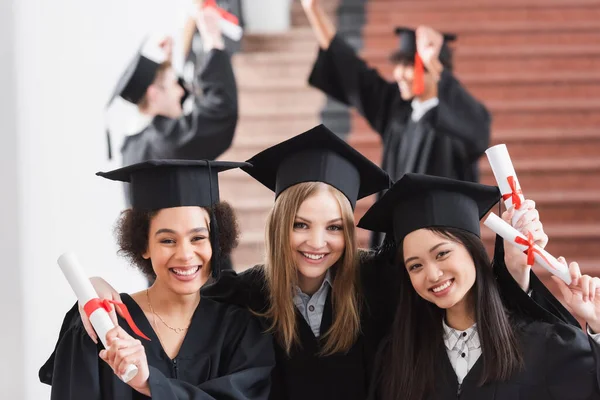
(282, 274)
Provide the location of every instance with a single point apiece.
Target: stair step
(489, 86)
(535, 38)
(404, 5)
(446, 12)
(536, 114)
(522, 144)
(468, 60)
(470, 33)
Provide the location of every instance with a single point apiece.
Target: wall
(60, 62)
(11, 306)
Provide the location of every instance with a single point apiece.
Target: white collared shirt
(311, 307)
(463, 349)
(420, 108)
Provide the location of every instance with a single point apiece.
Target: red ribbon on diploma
(226, 15)
(515, 194)
(531, 250)
(106, 304)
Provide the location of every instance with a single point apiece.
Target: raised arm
(321, 24)
(341, 74)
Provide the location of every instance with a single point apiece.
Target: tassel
(418, 79)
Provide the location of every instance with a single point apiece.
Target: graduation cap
(421, 201)
(407, 50)
(137, 78)
(318, 155)
(157, 184)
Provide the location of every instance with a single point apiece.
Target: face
(179, 248)
(317, 237)
(166, 95)
(404, 74)
(441, 271)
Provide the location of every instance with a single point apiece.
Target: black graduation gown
(447, 141)
(304, 374)
(224, 355)
(560, 362)
(203, 134)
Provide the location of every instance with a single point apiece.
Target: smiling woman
(139, 231)
(311, 291)
(176, 233)
(453, 332)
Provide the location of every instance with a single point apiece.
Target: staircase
(275, 104)
(536, 65)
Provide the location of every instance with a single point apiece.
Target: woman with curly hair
(196, 348)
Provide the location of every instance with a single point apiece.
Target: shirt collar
(420, 108)
(326, 282)
(452, 336)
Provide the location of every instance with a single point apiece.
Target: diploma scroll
(534, 252)
(228, 22)
(85, 293)
(506, 177)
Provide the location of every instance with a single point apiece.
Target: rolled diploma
(507, 232)
(85, 292)
(231, 30)
(502, 167)
(228, 28)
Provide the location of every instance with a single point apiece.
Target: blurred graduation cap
(158, 184)
(407, 52)
(318, 155)
(138, 76)
(420, 201)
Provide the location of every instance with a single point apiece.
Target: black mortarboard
(157, 184)
(420, 201)
(407, 46)
(318, 155)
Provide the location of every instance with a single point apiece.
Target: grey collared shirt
(311, 307)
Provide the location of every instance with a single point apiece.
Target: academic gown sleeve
(461, 115)
(246, 376)
(73, 369)
(571, 364)
(341, 74)
(540, 306)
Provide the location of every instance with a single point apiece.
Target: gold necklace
(176, 330)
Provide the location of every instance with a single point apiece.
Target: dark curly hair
(133, 226)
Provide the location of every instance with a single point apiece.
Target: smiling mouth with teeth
(185, 271)
(446, 285)
(313, 256)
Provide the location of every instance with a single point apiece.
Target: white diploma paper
(542, 257)
(85, 292)
(504, 172)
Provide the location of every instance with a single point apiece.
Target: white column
(12, 382)
(267, 16)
